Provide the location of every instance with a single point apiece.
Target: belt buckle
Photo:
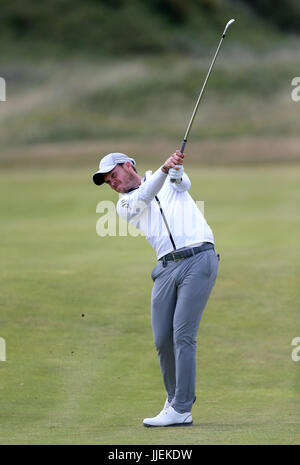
(176, 259)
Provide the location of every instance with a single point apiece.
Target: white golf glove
(176, 174)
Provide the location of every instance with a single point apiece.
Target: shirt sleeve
(131, 205)
(182, 186)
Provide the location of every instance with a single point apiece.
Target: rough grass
(80, 99)
(81, 366)
(221, 152)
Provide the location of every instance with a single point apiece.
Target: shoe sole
(174, 425)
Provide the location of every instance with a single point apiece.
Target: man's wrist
(164, 169)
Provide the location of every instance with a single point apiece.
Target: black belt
(181, 254)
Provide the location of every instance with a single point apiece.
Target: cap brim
(98, 179)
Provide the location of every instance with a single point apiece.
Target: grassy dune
(249, 95)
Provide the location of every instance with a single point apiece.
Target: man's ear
(128, 165)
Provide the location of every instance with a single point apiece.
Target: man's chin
(120, 190)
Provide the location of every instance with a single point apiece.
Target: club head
(227, 26)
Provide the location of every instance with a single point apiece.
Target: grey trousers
(179, 295)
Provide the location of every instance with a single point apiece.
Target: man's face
(120, 178)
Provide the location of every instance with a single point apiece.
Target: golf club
(202, 90)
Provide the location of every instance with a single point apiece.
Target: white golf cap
(108, 163)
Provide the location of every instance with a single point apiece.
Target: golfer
(161, 207)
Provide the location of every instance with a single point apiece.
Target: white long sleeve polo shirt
(185, 221)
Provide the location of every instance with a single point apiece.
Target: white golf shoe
(169, 417)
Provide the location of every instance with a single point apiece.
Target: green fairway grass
(81, 366)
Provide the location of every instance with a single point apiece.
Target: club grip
(183, 146)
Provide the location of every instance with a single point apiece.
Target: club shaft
(183, 144)
(200, 96)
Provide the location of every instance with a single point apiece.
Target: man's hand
(173, 162)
